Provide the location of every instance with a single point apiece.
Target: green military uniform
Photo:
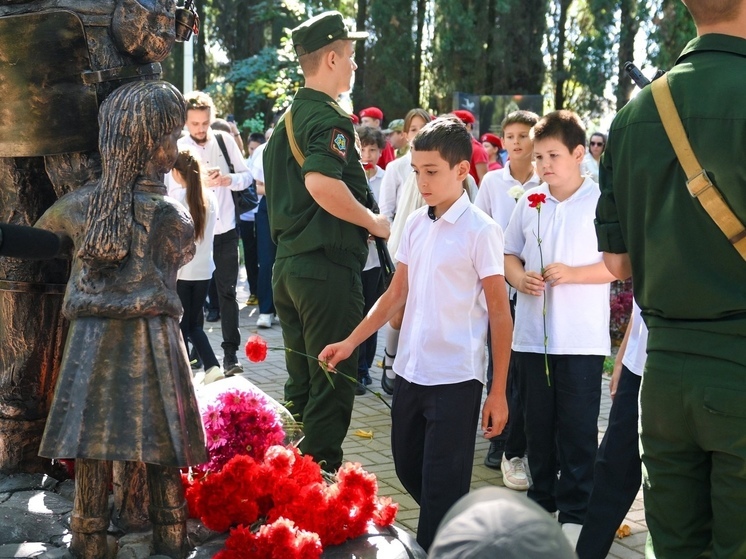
(691, 285)
(316, 277)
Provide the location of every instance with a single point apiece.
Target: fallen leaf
(363, 434)
(623, 531)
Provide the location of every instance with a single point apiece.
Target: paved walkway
(372, 415)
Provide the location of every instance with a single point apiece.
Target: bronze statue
(124, 390)
(59, 60)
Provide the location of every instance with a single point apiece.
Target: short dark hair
(564, 126)
(448, 136)
(371, 136)
(257, 137)
(520, 117)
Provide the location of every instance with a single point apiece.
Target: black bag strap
(221, 143)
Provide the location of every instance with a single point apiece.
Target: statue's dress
(124, 390)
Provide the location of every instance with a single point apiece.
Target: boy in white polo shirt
(450, 275)
(507, 449)
(567, 273)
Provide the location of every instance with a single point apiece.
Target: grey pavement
(370, 415)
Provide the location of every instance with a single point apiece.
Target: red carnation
(535, 200)
(256, 348)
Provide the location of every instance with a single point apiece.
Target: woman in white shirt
(194, 277)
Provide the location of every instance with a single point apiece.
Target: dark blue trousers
(561, 422)
(617, 474)
(433, 432)
(250, 257)
(266, 251)
(225, 277)
(367, 349)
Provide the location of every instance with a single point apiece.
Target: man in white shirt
(222, 181)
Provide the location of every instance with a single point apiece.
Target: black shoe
(387, 383)
(494, 454)
(365, 379)
(360, 389)
(231, 366)
(213, 315)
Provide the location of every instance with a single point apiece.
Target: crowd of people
(512, 237)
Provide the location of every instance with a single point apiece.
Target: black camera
(187, 21)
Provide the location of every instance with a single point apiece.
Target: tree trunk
(629, 24)
(560, 71)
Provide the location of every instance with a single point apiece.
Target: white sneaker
(572, 532)
(213, 374)
(264, 321)
(514, 474)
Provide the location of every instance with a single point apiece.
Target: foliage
(388, 81)
(672, 28)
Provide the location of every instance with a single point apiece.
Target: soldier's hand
(380, 227)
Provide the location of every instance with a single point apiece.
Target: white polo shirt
(577, 314)
(493, 196)
(396, 173)
(444, 330)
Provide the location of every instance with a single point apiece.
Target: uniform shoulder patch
(339, 142)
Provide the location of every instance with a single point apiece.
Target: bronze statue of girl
(124, 390)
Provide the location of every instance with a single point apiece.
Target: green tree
(389, 79)
(672, 29)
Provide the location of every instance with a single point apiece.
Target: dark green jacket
(326, 137)
(689, 281)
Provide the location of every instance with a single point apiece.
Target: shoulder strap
(699, 184)
(221, 143)
(297, 153)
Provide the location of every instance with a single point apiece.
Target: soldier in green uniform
(691, 286)
(320, 223)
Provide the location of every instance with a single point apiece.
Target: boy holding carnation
(562, 319)
(450, 253)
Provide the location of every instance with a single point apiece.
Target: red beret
(464, 116)
(372, 112)
(491, 138)
(355, 119)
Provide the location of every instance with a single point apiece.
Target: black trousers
(617, 474)
(367, 349)
(561, 423)
(225, 256)
(433, 432)
(250, 256)
(192, 295)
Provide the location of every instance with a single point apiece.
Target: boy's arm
(558, 273)
(381, 312)
(529, 283)
(618, 264)
(495, 409)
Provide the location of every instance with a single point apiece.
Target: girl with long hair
(124, 390)
(194, 277)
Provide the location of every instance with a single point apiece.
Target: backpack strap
(698, 182)
(221, 143)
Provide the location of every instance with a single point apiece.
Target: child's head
(516, 129)
(564, 126)
(440, 158)
(448, 136)
(559, 148)
(414, 120)
(371, 143)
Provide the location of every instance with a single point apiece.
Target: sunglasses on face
(599, 144)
